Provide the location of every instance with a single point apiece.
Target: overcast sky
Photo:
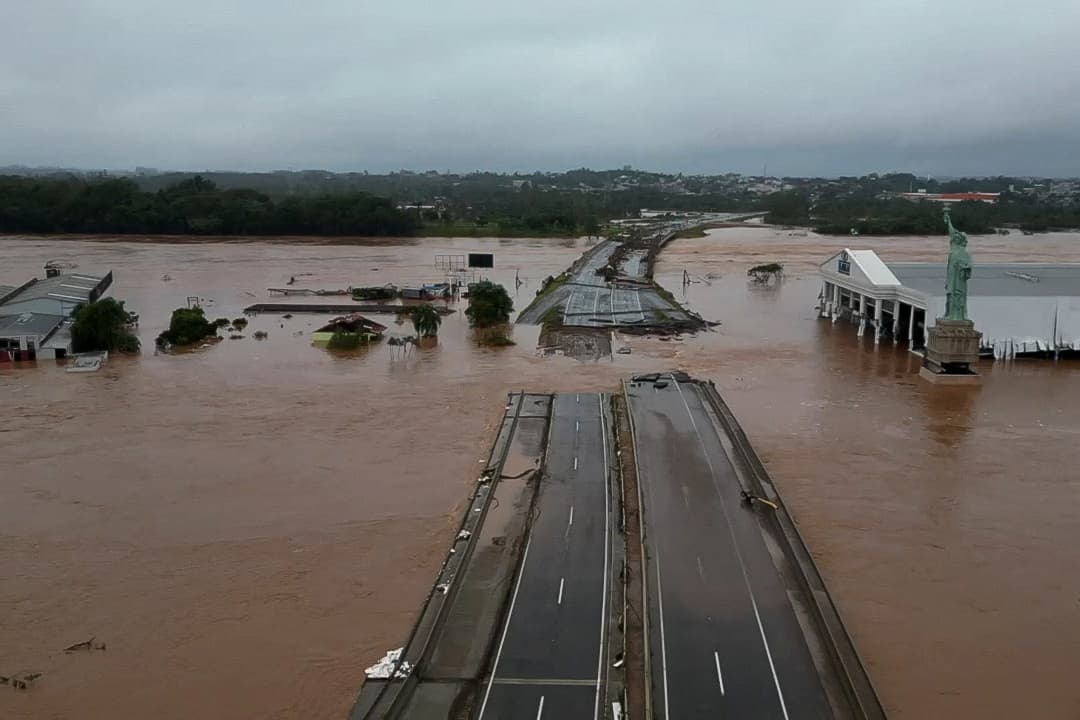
(824, 87)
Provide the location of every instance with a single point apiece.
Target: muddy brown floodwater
(249, 526)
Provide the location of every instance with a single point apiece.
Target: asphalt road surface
(592, 305)
(549, 660)
(723, 638)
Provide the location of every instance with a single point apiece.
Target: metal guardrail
(856, 684)
(493, 469)
(646, 650)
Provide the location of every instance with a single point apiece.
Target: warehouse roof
(74, 287)
(28, 324)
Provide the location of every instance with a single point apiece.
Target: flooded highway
(249, 526)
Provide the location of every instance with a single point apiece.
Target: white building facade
(1019, 308)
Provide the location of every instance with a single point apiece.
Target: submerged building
(35, 317)
(1018, 307)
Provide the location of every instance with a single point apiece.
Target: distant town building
(647, 213)
(948, 198)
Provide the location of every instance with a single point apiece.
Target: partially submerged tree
(489, 304)
(400, 345)
(762, 274)
(103, 325)
(188, 326)
(426, 320)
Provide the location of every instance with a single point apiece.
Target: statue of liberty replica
(957, 274)
(952, 345)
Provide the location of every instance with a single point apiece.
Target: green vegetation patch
(103, 325)
(342, 340)
(188, 326)
(489, 304)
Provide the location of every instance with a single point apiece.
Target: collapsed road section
(739, 621)
(521, 616)
(552, 656)
(530, 616)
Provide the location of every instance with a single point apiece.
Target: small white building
(1018, 307)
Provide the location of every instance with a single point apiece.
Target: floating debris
(87, 362)
(20, 682)
(261, 335)
(85, 645)
(390, 664)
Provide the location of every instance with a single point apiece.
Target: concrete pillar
(895, 321)
(911, 326)
(823, 309)
(835, 302)
(862, 314)
(878, 303)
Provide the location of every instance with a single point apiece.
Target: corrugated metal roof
(28, 324)
(58, 294)
(74, 288)
(996, 279)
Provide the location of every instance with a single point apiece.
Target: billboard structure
(481, 260)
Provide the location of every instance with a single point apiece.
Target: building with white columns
(1019, 308)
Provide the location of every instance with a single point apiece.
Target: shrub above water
(103, 325)
(187, 327)
(489, 304)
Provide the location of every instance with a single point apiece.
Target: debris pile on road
(389, 665)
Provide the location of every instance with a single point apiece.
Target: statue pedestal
(952, 347)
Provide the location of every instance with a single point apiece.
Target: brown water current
(247, 527)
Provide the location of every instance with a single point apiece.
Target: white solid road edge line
(506, 627)
(768, 654)
(719, 677)
(540, 710)
(607, 534)
(561, 581)
(663, 640)
(738, 553)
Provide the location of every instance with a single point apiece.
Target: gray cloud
(835, 86)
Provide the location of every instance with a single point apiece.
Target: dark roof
(997, 279)
(28, 324)
(353, 323)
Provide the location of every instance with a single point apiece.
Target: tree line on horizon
(194, 206)
(489, 205)
(872, 215)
